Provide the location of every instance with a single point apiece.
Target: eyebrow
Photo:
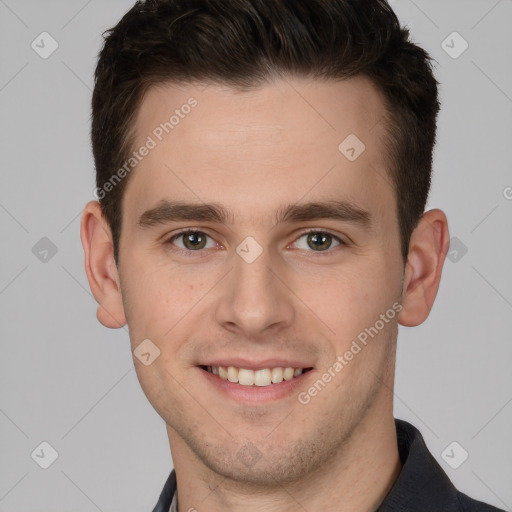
(176, 211)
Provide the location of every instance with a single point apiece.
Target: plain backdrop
(68, 381)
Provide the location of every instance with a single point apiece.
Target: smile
(260, 377)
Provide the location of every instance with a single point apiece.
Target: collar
(422, 485)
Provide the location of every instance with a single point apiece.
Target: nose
(255, 297)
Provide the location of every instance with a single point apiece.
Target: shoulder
(468, 504)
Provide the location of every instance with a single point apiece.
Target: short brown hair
(243, 43)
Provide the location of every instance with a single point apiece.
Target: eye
(191, 240)
(319, 241)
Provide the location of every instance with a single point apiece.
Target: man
(262, 174)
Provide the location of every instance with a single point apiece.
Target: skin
(253, 152)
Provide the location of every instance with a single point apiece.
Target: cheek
(158, 297)
(352, 297)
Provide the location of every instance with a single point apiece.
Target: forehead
(273, 144)
(307, 108)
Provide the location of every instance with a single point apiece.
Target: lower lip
(257, 394)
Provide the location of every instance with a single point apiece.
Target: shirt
(422, 485)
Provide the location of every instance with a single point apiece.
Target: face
(275, 281)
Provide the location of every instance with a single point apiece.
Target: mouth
(261, 377)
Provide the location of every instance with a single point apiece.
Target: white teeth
(277, 375)
(262, 377)
(245, 377)
(288, 373)
(223, 372)
(232, 374)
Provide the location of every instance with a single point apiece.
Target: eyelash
(187, 231)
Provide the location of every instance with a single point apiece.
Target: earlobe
(100, 266)
(427, 251)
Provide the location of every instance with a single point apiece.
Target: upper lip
(256, 365)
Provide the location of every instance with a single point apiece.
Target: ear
(100, 266)
(427, 251)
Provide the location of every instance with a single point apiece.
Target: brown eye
(194, 240)
(319, 241)
(190, 240)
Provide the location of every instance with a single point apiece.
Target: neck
(357, 477)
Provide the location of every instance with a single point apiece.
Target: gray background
(67, 380)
